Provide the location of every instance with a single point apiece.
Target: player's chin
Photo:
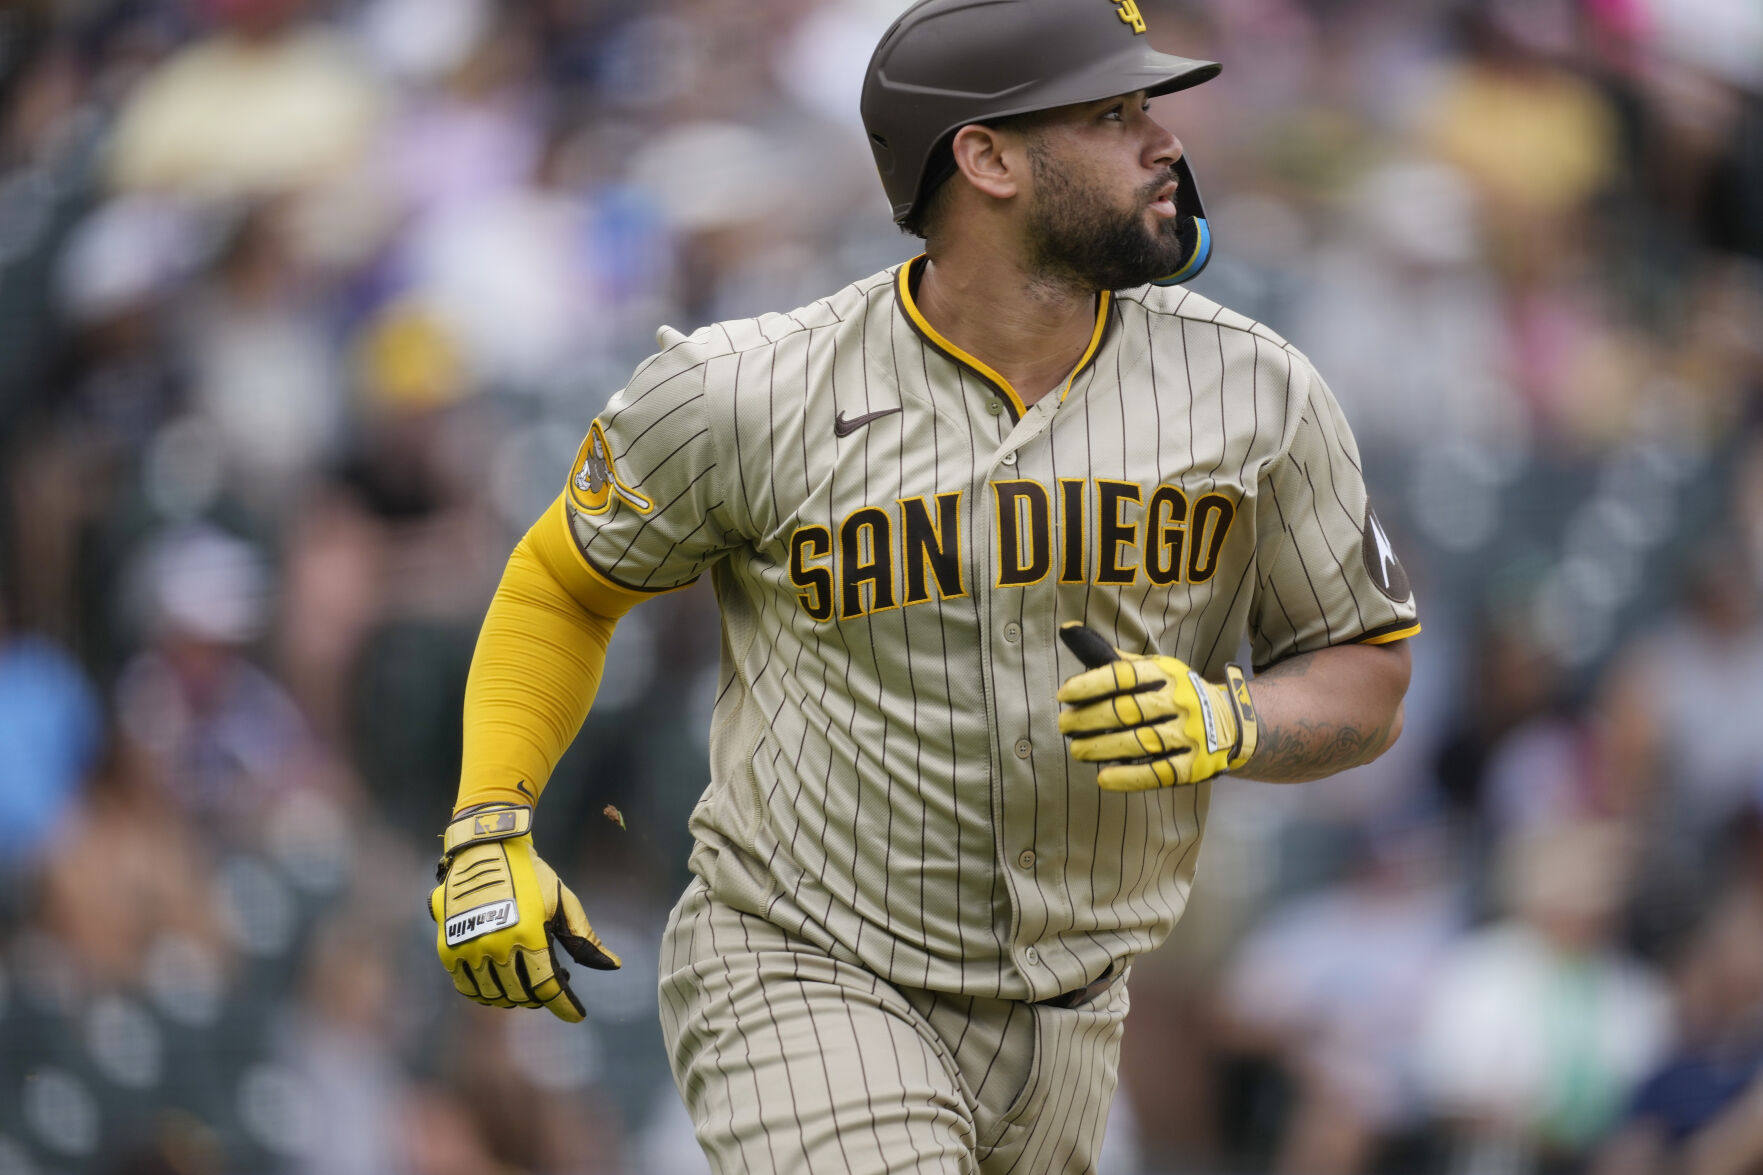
(1161, 228)
(1163, 251)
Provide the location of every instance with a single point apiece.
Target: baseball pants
(792, 1061)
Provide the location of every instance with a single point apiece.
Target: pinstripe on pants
(791, 1060)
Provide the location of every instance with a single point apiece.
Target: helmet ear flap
(1192, 231)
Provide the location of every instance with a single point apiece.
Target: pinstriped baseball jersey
(894, 539)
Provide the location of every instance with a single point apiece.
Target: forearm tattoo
(1306, 749)
(1299, 751)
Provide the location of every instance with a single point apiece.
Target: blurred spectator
(499, 242)
(441, 1137)
(528, 1086)
(1331, 986)
(224, 735)
(330, 600)
(129, 876)
(395, 560)
(266, 103)
(265, 374)
(1403, 316)
(510, 272)
(1539, 1026)
(1537, 144)
(114, 382)
(49, 726)
(339, 1044)
(1701, 1110)
(417, 460)
(49, 133)
(1511, 681)
(1685, 701)
(473, 128)
(1558, 767)
(1536, 141)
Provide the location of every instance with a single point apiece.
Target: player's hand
(497, 909)
(1152, 721)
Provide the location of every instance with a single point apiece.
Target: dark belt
(1077, 997)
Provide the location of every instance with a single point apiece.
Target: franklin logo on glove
(482, 920)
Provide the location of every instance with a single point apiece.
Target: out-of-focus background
(305, 305)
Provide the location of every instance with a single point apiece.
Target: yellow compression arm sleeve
(538, 663)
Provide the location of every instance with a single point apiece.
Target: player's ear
(991, 158)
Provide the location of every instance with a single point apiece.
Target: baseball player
(986, 530)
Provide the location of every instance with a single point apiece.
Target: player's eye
(1117, 112)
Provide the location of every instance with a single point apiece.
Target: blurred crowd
(305, 305)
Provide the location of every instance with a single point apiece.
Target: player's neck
(1030, 332)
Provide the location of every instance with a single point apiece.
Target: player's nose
(1163, 148)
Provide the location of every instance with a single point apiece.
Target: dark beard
(1076, 238)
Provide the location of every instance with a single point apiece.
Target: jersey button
(1010, 458)
(1030, 956)
(1012, 632)
(994, 407)
(1026, 859)
(1024, 748)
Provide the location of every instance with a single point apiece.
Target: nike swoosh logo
(845, 428)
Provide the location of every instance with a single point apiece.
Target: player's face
(1102, 212)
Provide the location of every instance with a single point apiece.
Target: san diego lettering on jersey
(1098, 531)
(894, 537)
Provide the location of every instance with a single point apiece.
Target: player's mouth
(1163, 201)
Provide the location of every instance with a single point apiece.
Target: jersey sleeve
(538, 663)
(645, 503)
(1326, 571)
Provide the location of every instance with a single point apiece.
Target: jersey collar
(908, 277)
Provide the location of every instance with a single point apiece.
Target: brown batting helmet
(947, 63)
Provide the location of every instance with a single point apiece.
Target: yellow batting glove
(1152, 721)
(497, 909)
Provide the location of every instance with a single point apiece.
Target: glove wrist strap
(486, 822)
(1236, 685)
